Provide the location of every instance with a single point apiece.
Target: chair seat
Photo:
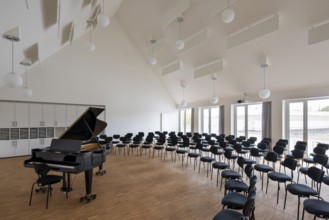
(303, 170)
(263, 168)
(181, 151)
(192, 154)
(158, 147)
(236, 185)
(228, 214)
(170, 149)
(234, 200)
(281, 177)
(207, 159)
(301, 190)
(308, 160)
(249, 161)
(49, 179)
(231, 174)
(317, 207)
(220, 165)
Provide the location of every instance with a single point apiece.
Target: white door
(21, 115)
(48, 115)
(60, 116)
(7, 114)
(36, 115)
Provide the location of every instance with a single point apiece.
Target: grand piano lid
(86, 127)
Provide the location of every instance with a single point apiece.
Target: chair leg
(303, 214)
(267, 183)
(48, 192)
(285, 199)
(298, 207)
(217, 177)
(31, 194)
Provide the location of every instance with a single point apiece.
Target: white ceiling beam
(208, 68)
(253, 31)
(318, 33)
(170, 68)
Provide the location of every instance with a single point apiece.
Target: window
(248, 120)
(210, 117)
(307, 120)
(185, 120)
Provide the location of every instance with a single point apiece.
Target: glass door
(241, 121)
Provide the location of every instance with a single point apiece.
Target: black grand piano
(76, 150)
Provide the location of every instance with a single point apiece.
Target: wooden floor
(133, 188)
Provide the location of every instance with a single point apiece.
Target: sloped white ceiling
(294, 64)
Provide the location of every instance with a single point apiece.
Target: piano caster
(100, 172)
(87, 198)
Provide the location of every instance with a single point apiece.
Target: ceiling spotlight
(180, 43)
(152, 59)
(102, 19)
(264, 93)
(228, 14)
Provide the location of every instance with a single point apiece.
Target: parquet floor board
(133, 188)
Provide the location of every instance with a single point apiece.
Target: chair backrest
(271, 156)
(315, 174)
(41, 170)
(214, 150)
(298, 154)
(320, 159)
(278, 149)
(291, 164)
(245, 143)
(249, 206)
(227, 154)
(319, 150)
(252, 181)
(248, 170)
(300, 147)
(325, 146)
(241, 161)
(254, 152)
(262, 146)
(237, 147)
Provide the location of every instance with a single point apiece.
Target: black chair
(45, 179)
(317, 207)
(228, 154)
(305, 191)
(231, 174)
(263, 168)
(247, 213)
(147, 144)
(218, 166)
(208, 160)
(171, 147)
(236, 200)
(317, 159)
(237, 185)
(316, 150)
(289, 163)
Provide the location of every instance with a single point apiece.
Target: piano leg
(100, 171)
(66, 183)
(88, 183)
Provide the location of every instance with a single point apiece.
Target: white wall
(115, 75)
